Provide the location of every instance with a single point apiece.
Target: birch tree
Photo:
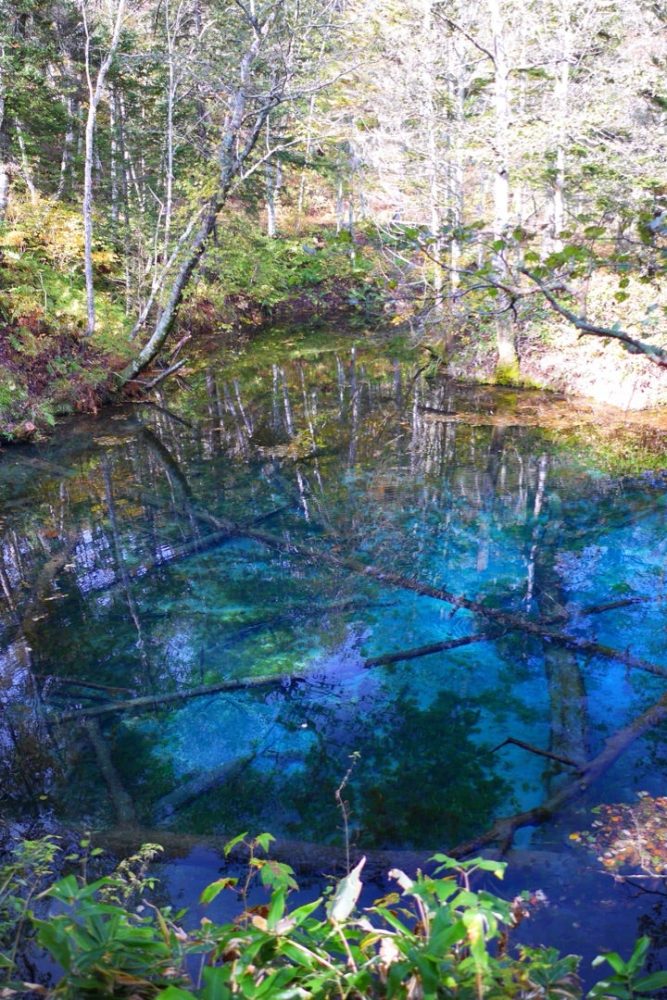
(96, 81)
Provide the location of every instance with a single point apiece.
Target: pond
(289, 524)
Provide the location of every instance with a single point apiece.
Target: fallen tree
(503, 829)
(304, 856)
(186, 793)
(158, 700)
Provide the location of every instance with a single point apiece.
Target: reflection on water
(120, 579)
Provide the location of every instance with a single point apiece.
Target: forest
(333, 485)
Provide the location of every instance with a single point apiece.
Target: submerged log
(302, 856)
(549, 754)
(122, 803)
(77, 682)
(434, 647)
(158, 700)
(182, 796)
(507, 619)
(503, 830)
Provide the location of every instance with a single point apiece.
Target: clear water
(518, 501)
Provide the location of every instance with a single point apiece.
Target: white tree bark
(95, 92)
(561, 100)
(508, 359)
(436, 196)
(4, 140)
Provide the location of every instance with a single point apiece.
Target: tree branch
(466, 34)
(657, 355)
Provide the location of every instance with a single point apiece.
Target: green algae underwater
(121, 580)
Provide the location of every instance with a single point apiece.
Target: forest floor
(50, 368)
(592, 369)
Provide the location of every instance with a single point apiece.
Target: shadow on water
(120, 579)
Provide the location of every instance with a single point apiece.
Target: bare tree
(96, 83)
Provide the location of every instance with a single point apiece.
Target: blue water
(519, 501)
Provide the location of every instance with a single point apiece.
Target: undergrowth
(434, 936)
(49, 366)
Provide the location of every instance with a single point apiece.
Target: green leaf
(215, 888)
(231, 844)
(656, 981)
(66, 889)
(497, 868)
(613, 959)
(303, 912)
(51, 937)
(276, 875)
(264, 840)
(176, 993)
(216, 984)
(276, 908)
(639, 953)
(444, 935)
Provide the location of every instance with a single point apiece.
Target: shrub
(433, 937)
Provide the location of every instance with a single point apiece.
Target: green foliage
(39, 291)
(435, 936)
(47, 367)
(269, 271)
(508, 374)
(21, 877)
(626, 983)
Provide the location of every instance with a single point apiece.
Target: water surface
(118, 581)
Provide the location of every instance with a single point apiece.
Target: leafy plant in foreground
(435, 936)
(21, 877)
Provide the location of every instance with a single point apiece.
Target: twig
(539, 751)
(342, 805)
(163, 375)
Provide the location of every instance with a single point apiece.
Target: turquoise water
(113, 576)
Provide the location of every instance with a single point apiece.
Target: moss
(508, 373)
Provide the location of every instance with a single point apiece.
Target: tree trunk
(508, 358)
(272, 175)
(68, 144)
(4, 143)
(436, 197)
(561, 95)
(455, 166)
(26, 169)
(113, 165)
(95, 92)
